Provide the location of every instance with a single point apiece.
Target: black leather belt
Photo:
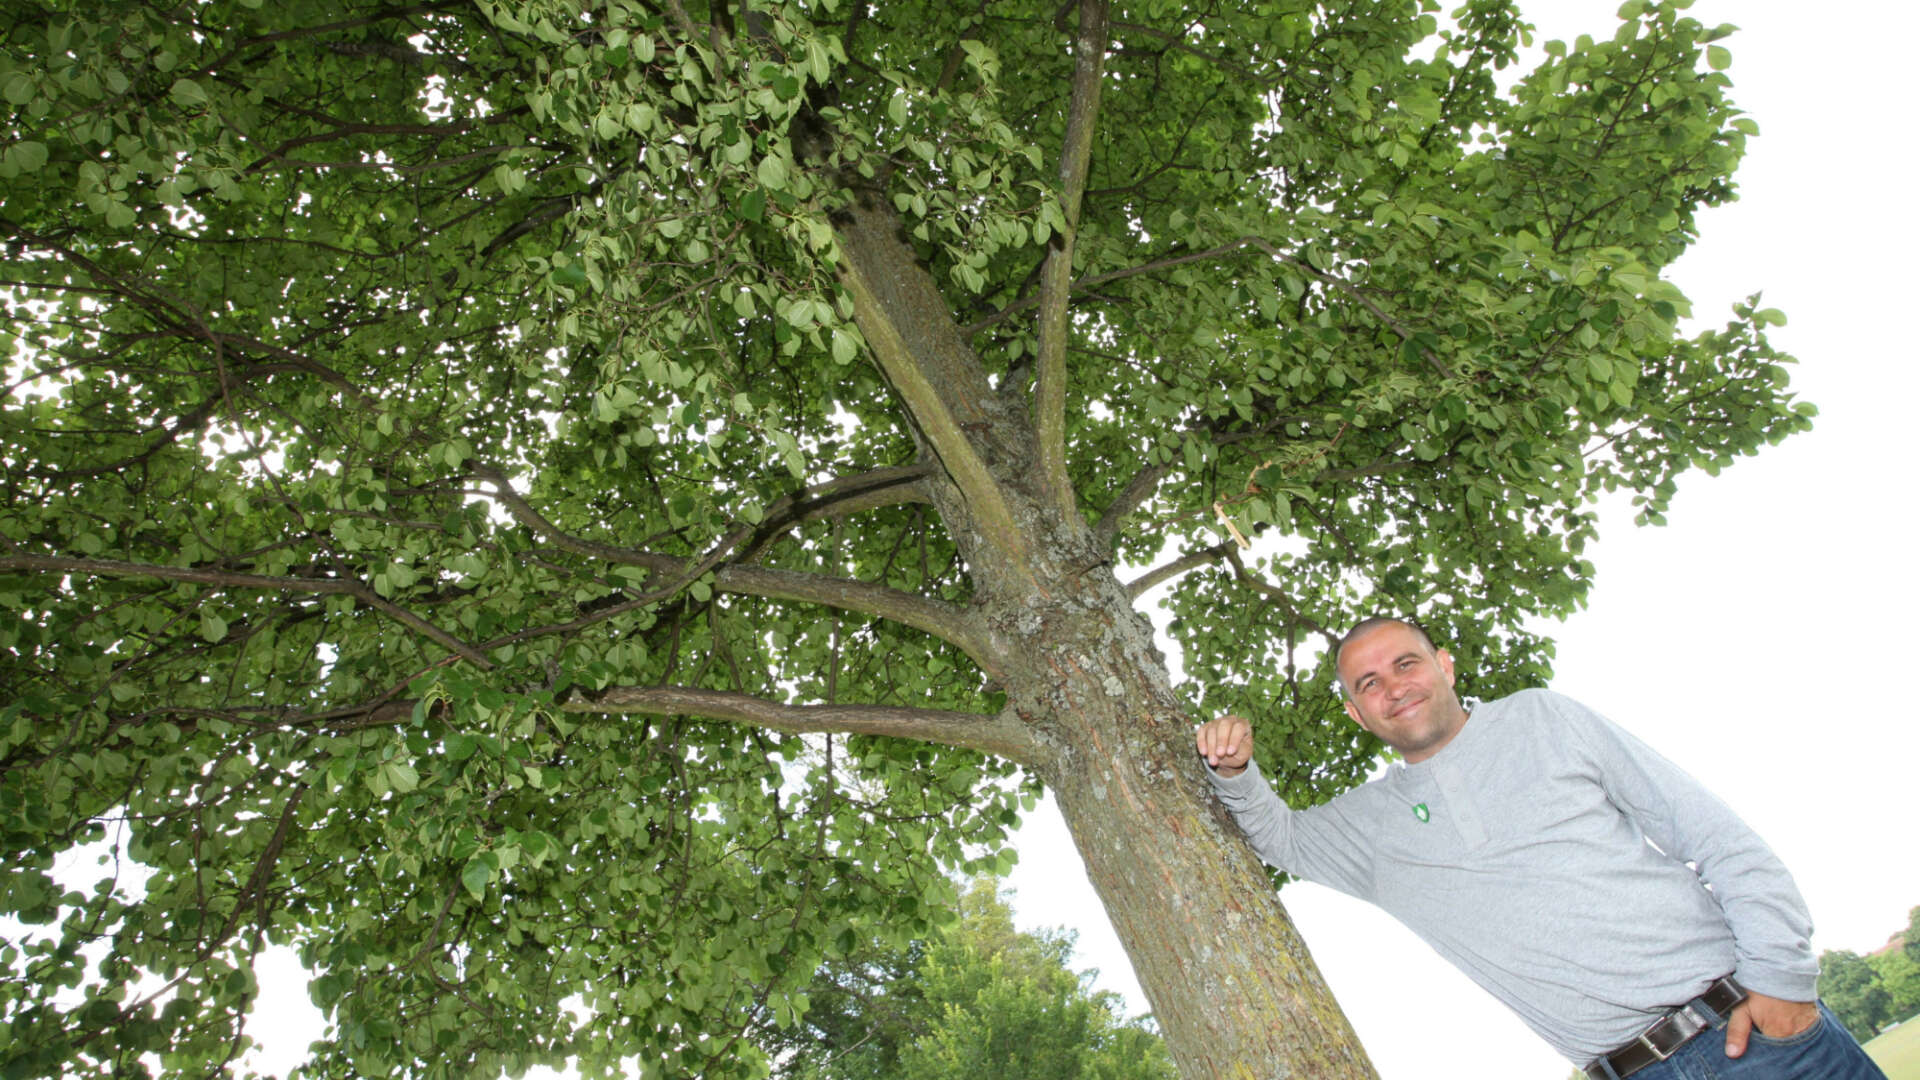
(1670, 1032)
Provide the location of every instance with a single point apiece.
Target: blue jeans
(1824, 1051)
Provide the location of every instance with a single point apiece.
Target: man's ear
(1446, 663)
(1354, 714)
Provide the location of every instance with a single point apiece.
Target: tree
(560, 510)
(1898, 974)
(978, 999)
(1910, 942)
(1851, 988)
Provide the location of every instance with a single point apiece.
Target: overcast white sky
(1765, 638)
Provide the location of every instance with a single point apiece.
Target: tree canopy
(561, 510)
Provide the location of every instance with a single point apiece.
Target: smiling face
(1401, 689)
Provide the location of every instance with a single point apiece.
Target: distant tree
(864, 1004)
(1899, 975)
(1849, 985)
(978, 1000)
(1912, 946)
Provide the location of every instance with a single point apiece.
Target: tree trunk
(1231, 983)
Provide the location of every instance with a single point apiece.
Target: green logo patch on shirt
(1420, 811)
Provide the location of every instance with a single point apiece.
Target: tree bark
(1232, 985)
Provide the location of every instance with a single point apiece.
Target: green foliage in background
(1900, 976)
(1851, 988)
(978, 1000)
(1872, 993)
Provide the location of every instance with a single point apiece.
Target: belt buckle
(1682, 1022)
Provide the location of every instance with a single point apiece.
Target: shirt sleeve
(1321, 845)
(1772, 931)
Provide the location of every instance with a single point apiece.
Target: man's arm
(1763, 908)
(1225, 743)
(1319, 844)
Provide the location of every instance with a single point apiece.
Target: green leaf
(212, 627)
(753, 206)
(773, 173)
(1718, 58)
(17, 88)
(326, 990)
(402, 778)
(460, 746)
(27, 156)
(476, 877)
(844, 346)
(187, 93)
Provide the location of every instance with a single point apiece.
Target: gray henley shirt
(1578, 876)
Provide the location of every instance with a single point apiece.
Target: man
(1546, 853)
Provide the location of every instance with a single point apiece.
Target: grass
(1897, 1052)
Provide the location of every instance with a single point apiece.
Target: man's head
(1399, 686)
(1366, 626)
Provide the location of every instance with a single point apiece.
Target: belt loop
(1607, 1068)
(1706, 1012)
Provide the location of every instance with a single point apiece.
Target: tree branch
(838, 497)
(1353, 291)
(347, 131)
(256, 42)
(1178, 43)
(682, 20)
(1285, 602)
(169, 313)
(1137, 491)
(910, 329)
(227, 579)
(1056, 278)
(1181, 565)
(1000, 734)
(948, 622)
(1096, 280)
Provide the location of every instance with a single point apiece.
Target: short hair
(1365, 626)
